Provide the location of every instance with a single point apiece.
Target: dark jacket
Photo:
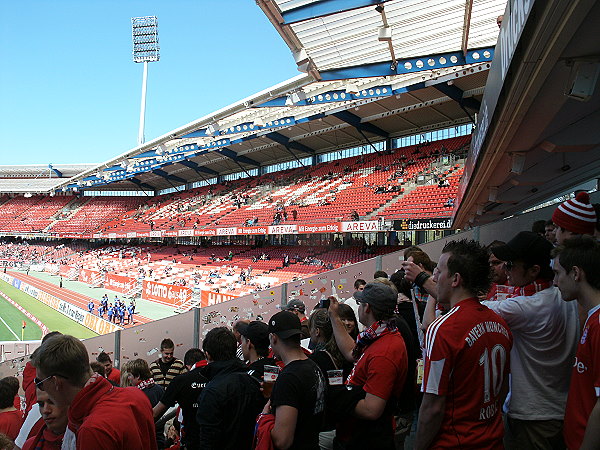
(228, 406)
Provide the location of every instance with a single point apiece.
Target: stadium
(409, 124)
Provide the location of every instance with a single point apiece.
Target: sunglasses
(40, 383)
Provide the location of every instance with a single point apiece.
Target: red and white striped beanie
(576, 215)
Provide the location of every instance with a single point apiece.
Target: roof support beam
(237, 158)
(324, 8)
(56, 171)
(285, 141)
(198, 168)
(141, 184)
(355, 121)
(168, 176)
(466, 26)
(456, 94)
(410, 65)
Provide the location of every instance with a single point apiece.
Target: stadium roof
(37, 178)
(349, 38)
(395, 87)
(537, 135)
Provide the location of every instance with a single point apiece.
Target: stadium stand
(371, 185)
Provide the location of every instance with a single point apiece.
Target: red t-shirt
(10, 423)
(467, 360)
(381, 369)
(585, 381)
(115, 376)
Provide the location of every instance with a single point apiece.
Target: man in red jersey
(111, 373)
(577, 275)
(467, 357)
(11, 418)
(100, 414)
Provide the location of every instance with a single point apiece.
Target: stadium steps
(73, 274)
(194, 302)
(134, 292)
(408, 188)
(253, 200)
(98, 281)
(71, 208)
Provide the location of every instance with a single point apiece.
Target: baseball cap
(298, 305)
(257, 332)
(576, 215)
(378, 295)
(285, 324)
(525, 246)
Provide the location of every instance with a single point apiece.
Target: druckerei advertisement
(422, 224)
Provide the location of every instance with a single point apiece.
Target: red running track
(72, 297)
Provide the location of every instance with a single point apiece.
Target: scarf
(529, 289)
(370, 335)
(69, 440)
(145, 384)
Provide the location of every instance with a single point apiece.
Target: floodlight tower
(145, 49)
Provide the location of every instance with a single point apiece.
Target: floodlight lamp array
(145, 39)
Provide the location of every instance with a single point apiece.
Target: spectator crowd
(503, 341)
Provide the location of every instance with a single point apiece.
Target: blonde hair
(139, 368)
(125, 380)
(387, 282)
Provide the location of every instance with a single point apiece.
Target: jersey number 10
(493, 371)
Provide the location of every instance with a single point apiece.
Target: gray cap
(378, 295)
(297, 305)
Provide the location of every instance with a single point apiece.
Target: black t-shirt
(257, 368)
(164, 366)
(185, 389)
(301, 385)
(154, 393)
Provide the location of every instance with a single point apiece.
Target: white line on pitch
(10, 329)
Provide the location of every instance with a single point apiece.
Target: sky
(70, 92)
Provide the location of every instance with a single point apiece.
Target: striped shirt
(164, 378)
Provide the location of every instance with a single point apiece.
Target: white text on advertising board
(360, 226)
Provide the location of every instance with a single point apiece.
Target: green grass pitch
(14, 318)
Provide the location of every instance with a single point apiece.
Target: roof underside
(352, 37)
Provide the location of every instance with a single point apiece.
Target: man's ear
(578, 274)
(273, 339)
(456, 280)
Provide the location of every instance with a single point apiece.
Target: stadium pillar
(284, 290)
(197, 328)
(389, 143)
(313, 160)
(117, 353)
(476, 234)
